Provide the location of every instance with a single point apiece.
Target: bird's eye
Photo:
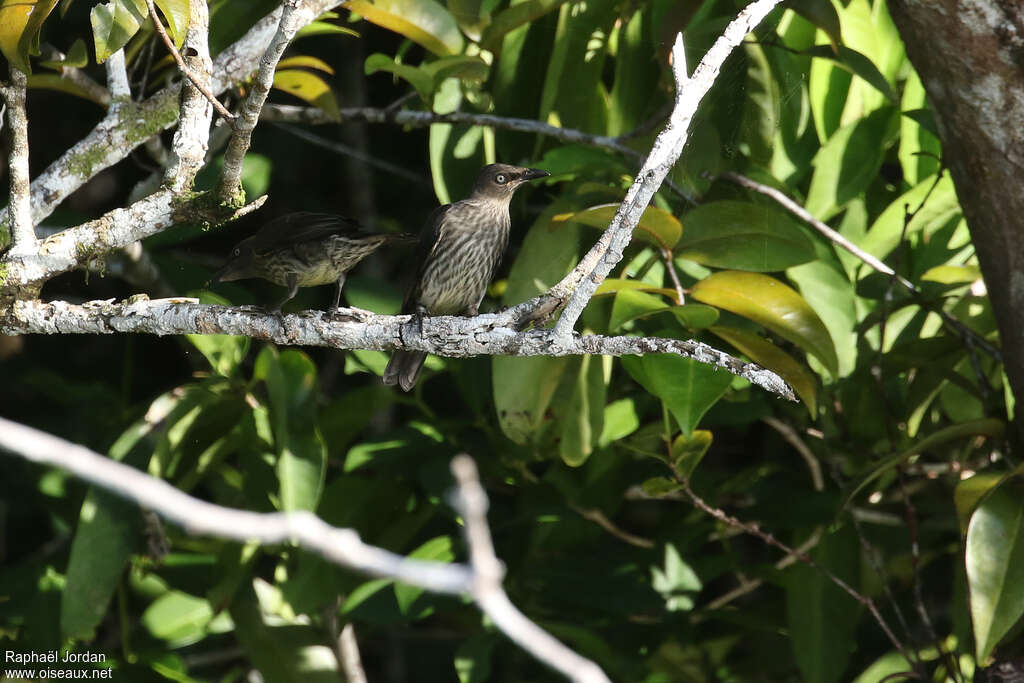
(238, 252)
(501, 179)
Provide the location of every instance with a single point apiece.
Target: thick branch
(666, 150)
(188, 151)
(231, 176)
(117, 78)
(23, 237)
(481, 578)
(455, 337)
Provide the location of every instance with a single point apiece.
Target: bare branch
(23, 237)
(491, 597)
(115, 137)
(666, 150)
(481, 579)
(231, 176)
(451, 336)
(348, 655)
(421, 119)
(201, 83)
(117, 78)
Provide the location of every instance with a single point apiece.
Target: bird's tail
(404, 368)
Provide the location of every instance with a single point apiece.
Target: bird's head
(239, 264)
(499, 181)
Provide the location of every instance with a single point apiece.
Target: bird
(459, 249)
(304, 249)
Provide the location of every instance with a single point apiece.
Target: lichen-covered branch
(120, 132)
(455, 337)
(117, 78)
(249, 114)
(480, 578)
(666, 151)
(188, 151)
(23, 237)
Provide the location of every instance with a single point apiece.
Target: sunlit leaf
(77, 57)
(417, 77)
(514, 17)
(933, 203)
(613, 284)
(971, 491)
(772, 304)
(426, 22)
(743, 236)
(952, 275)
(176, 12)
(305, 62)
(114, 24)
(50, 81)
(656, 226)
(821, 14)
(20, 22)
(310, 88)
(855, 63)
(178, 617)
(770, 356)
(995, 566)
(324, 28)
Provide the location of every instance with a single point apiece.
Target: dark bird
(304, 250)
(460, 247)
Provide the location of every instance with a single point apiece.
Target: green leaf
(471, 17)
(770, 356)
(995, 566)
(849, 162)
(821, 14)
(47, 81)
(857, 64)
(772, 304)
(822, 616)
(687, 387)
(657, 226)
(657, 487)
(941, 207)
(695, 316)
(828, 290)
(309, 88)
(305, 62)
(77, 57)
(743, 236)
(971, 491)
(464, 67)
(422, 21)
(324, 28)
(512, 18)
(620, 420)
(523, 387)
(437, 549)
(177, 14)
(689, 449)
(302, 456)
(417, 77)
(178, 617)
(20, 23)
(675, 580)
(473, 658)
(114, 24)
(583, 416)
(952, 275)
(636, 76)
(631, 304)
(612, 285)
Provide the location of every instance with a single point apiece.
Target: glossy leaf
(770, 356)
(821, 14)
(583, 416)
(309, 88)
(971, 491)
(114, 24)
(20, 22)
(689, 449)
(995, 566)
(631, 304)
(952, 275)
(324, 28)
(848, 163)
(176, 12)
(828, 290)
(772, 304)
(612, 285)
(743, 236)
(513, 17)
(657, 226)
(426, 22)
(857, 64)
(687, 387)
(696, 316)
(305, 62)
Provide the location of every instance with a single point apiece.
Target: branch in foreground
(455, 337)
(481, 578)
(23, 237)
(668, 146)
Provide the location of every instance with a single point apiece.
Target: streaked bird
(304, 250)
(460, 247)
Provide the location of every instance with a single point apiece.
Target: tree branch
(115, 136)
(188, 151)
(451, 336)
(23, 237)
(666, 151)
(117, 79)
(480, 578)
(249, 114)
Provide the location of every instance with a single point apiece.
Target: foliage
(893, 471)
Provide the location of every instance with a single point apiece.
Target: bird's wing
(303, 226)
(430, 235)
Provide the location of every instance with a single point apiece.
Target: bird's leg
(337, 293)
(293, 288)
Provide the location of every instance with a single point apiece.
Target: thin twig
(800, 212)
(23, 237)
(670, 266)
(491, 597)
(249, 112)
(667, 148)
(600, 519)
(793, 439)
(200, 86)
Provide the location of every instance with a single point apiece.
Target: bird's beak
(533, 174)
(224, 274)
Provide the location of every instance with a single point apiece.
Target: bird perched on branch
(460, 247)
(304, 250)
